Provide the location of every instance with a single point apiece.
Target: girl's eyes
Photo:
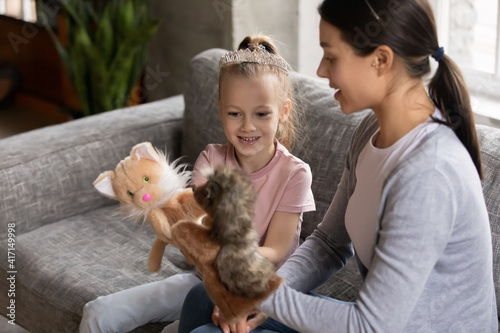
(262, 114)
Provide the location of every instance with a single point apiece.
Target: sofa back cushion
(489, 141)
(46, 175)
(326, 131)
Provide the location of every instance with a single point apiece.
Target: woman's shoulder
(439, 152)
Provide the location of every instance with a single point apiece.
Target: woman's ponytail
(449, 93)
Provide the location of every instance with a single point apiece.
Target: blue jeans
(196, 315)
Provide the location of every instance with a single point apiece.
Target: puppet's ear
(104, 184)
(145, 150)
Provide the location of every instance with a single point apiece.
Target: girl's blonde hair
(287, 130)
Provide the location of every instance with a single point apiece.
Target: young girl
(255, 106)
(410, 200)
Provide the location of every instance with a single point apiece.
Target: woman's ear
(285, 112)
(383, 59)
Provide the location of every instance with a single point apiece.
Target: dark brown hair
(409, 29)
(287, 131)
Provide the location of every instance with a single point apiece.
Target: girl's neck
(252, 164)
(401, 111)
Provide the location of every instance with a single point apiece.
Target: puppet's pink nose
(146, 197)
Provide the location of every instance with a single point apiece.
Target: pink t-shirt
(283, 185)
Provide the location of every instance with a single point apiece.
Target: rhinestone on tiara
(253, 46)
(258, 56)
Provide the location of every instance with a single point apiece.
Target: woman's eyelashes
(330, 59)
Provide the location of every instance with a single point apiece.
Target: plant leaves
(107, 49)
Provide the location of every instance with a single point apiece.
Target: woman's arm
(280, 234)
(411, 242)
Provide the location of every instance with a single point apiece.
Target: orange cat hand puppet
(149, 187)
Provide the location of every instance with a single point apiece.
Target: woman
(409, 204)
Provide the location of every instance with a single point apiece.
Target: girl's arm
(327, 249)
(280, 234)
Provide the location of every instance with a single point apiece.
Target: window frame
(28, 10)
(480, 84)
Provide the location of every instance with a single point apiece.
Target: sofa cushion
(327, 135)
(201, 123)
(489, 141)
(323, 147)
(67, 263)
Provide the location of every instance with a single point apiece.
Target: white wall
(278, 19)
(309, 51)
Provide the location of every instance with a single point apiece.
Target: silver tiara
(258, 56)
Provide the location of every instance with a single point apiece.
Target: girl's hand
(220, 321)
(244, 326)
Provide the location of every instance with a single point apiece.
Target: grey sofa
(70, 244)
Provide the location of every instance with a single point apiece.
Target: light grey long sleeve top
(432, 266)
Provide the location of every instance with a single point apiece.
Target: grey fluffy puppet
(228, 197)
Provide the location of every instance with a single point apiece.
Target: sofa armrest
(47, 174)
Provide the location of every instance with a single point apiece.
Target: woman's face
(354, 77)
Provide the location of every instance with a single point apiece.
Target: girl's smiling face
(250, 112)
(353, 76)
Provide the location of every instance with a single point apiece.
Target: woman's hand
(244, 326)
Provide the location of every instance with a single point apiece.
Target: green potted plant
(106, 49)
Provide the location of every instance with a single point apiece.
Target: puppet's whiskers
(132, 213)
(175, 178)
